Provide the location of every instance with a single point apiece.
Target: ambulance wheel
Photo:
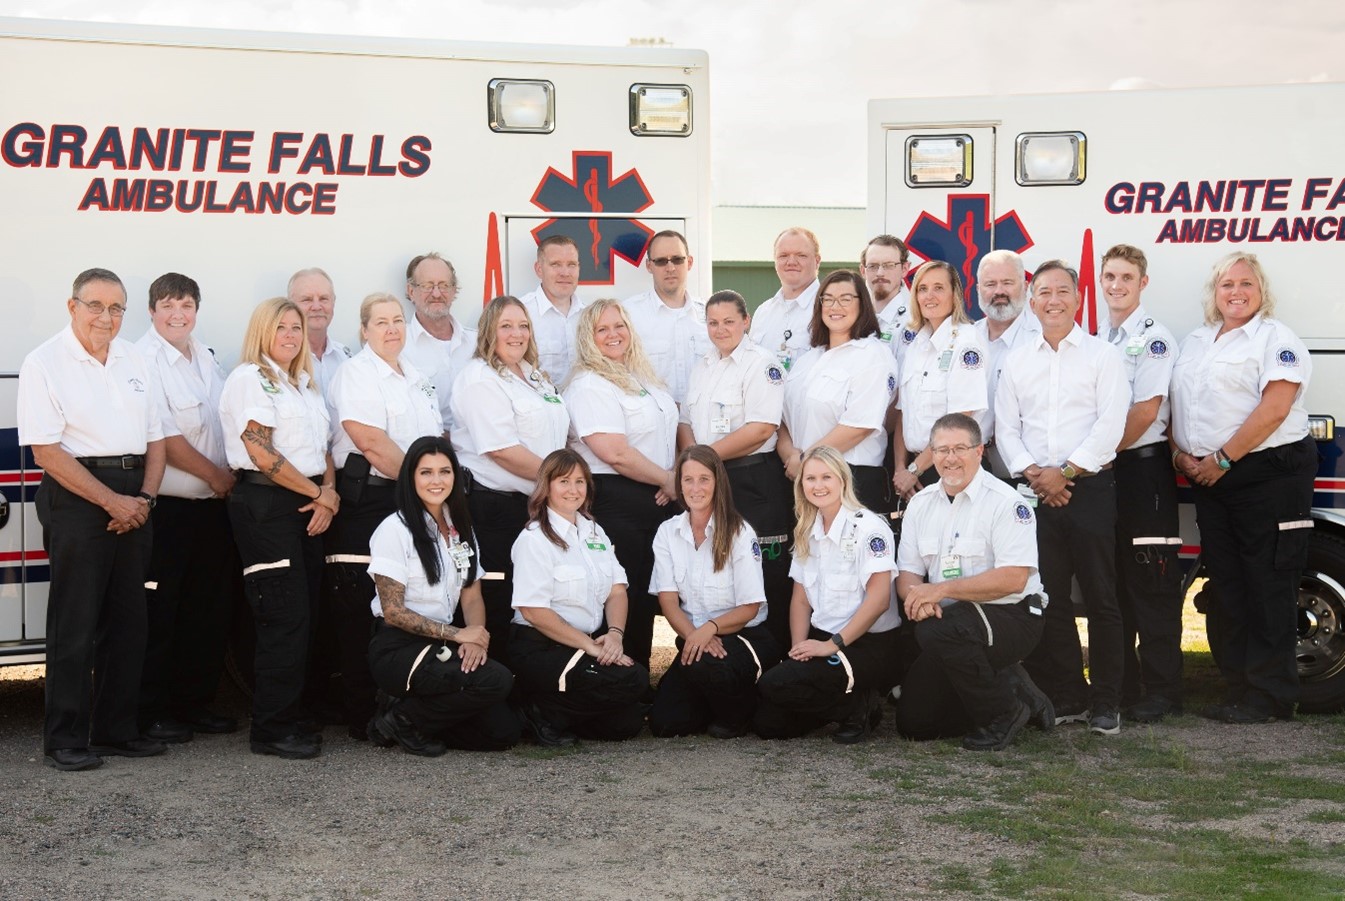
(1321, 627)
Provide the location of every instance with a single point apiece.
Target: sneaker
(999, 734)
(1071, 714)
(1106, 721)
(1152, 709)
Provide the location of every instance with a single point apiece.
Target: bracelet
(716, 625)
(620, 631)
(319, 494)
(1175, 454)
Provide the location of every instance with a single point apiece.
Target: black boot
(395, 726)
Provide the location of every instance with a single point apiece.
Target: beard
(1003, 312)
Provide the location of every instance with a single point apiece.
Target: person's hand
(810, 648)
(473, 635)
(222, 482)
(1059, 499)
(328, 498)
(1207, 470)
(792, 467)
(123, 508)
(320, 520)
(922, 602)
(609, 650)
(704, 640)
(906, 483)
(1187, 465)
(472, 656)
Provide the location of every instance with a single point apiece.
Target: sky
(790, 81)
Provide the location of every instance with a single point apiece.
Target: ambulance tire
(1321, 626)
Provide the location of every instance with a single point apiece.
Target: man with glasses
(311, 291)
(436, 343)
(884, 263)
(967, 577)
(781, 323)
(554, 306)
(669, 319)
(1002, 288)
(87, 410)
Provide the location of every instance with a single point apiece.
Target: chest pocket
(1240, 375)
(571, 586)
(640, 414)
(188, 415)
(830, 388)
(974, 554)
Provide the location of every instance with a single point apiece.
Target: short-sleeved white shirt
(188, 402)
(728, 392)
(673, 339)
(850, 385)
(495, 410)
(1024, 328)
(575, 582)
(648, 419)
(554, 332)
(90, 409)
(780, 326)
(986, 526)
(943, 371)
(1150, 352)
(1217, 383)
(325, 366)
(440, 361)
(392, 554)
(369, 391)
(298, 416)
(682, 567)
(835, 575)
(892, 319)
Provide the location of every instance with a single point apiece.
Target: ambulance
(240, 157)
(1187, 176)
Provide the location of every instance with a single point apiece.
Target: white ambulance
(238, 158)
(1187, 176)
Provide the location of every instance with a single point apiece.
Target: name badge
(849, 548)
(946, 360)
(1029, 496)
(720, 426)
(886, 337)
(951, 566)
(595, 545)
(785, 359)
(551, 398)
(462, 555)
(1135, 346)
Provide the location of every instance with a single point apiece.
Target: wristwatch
(837, 640)
(1068, 471)
(148, 498)
(913, 469)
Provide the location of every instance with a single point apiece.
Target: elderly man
(554, 306)
(436, 343)
(311, 291)
(669, 319)
(1002, 288)
(780, 325)
(87, 410)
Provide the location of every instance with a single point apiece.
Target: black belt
(749, 460)
(377, 481)
(1157, 449)
(126, 461)
(257, 478)
(477, 486)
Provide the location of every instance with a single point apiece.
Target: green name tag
(551, 398)
(595, 545)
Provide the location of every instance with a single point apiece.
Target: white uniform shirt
(892, 319)
(850, 385)
(369, 391)
(673, 339)
(835, 575)
(647, 419)
(1150, 353)
(188, 398)
(781, 326)
(682, 567)
(726, 393)
(575, 582)
(943, 371)
(298, 415)
(494, 411)
(440, 361)
(554, 333)
(986, 526)
(90, 409)
(1053, 406)
(392, 554)
(325, 366)
(1024, 328)
(1217, 384)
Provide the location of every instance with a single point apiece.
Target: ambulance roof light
(660, 110)
(523, 106)
(938, 161)
(1051, 158)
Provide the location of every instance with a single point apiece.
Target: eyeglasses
(431, 287)
(957, 450)
(886, 267)
(98, 308)
(839, 300)
(660, 262)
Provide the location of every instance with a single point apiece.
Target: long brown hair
(557, 463)
(866, 322)
(728, 521)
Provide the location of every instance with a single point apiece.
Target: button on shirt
(781, 326)
(554, 333)
(835, 575)
(1024, 328)
(944, 371)
(728, 392)
(369, 391)
(1150, 352)
(673, 339)
(648, 419)
(440, 361)
(1217, 383)
(91, 409)
(188, 397)
(575, 582)
(495, 410)
(682, 567)
(392, 553)
(325, 366)
(1057, 406)
(850, 385)
(986, 526)
(298, 416)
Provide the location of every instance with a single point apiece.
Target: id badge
(551, 398)
(945, 360)
(849, 548)
(461, 555)
(1029, 496)
(950, 565)
(594, 544)
(885, 337)
(785, 359)
(720, 425)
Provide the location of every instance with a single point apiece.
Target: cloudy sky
(791, 80)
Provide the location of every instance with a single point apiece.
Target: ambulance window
(938, 161)
(660, 110)
(1051, 158)
(527, 107)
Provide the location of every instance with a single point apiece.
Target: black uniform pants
(575, 692)
(627, 513)
(1254, 542)
(498, 517)
(955, 685)
(95, 615)
(1079, 541)
(282, 579)
(873, 487)
(765, 498)
(714, 690)
(194, 582)
(1148, 575)
(466, 710)
(800, 696)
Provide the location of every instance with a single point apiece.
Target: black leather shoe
(167, 731)
(375, 736)
(1041, 712)
(1152, 709)
(292, 747)
(1001, 732)
(209, 723)
(136, 747)
(860, 724)
(395, 726)
(542, 731)
(73, 759)
(723, 731)
(1242, 714)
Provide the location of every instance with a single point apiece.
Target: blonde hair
(1221, 267)
(805, 510)
(588, 356)
(261, 332)
(489, 323)
(367, 310)
(954, 283)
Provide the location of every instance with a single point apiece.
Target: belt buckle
(128, 461)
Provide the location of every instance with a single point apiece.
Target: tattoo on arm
(261, 438)
(392, 595)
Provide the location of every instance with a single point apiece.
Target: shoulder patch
(971, 359)
(756, 551)
(1158, 349)
(907, 336)
(268, 386)
(775, 374)
(1286, 356)
(891, 384)
(877, 546)
(1022, 513)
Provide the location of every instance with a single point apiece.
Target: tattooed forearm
(392, 595)
(266, 458)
